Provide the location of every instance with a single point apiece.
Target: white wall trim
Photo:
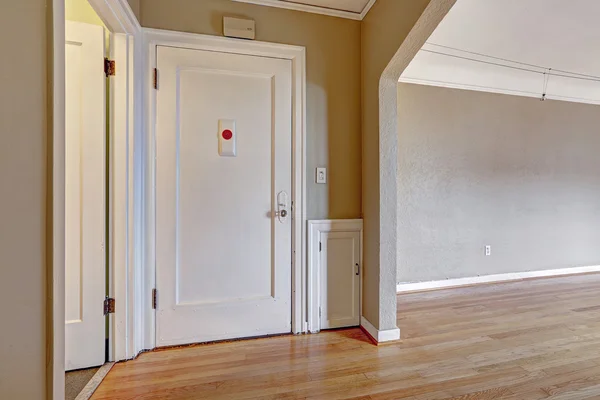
(315, 228)
(515, 276)
(367, 8)
(117, 16)
(491, 89)
(388, 335)
(436, 65)
(124, 180)
(313, 9)
(297, 55)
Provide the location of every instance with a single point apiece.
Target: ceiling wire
(546, 80)
(576, 74)
(573, 75)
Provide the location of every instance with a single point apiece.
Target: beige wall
(482, 169)
(135, 7)
(23, 199)
(333, 86)
(81, 11)
(383, 31)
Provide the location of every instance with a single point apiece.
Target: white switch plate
(321, 175)
(488, 250)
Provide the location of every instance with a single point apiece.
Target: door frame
(124, 221)
(125, 218)
(297, 55)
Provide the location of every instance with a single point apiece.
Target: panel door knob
(282, 213)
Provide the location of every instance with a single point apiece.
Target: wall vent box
(239, 28)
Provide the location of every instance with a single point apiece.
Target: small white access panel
(334, 274)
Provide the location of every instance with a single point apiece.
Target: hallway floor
(75, 381)
(533, 339)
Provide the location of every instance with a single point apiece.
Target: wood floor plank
(525, 340)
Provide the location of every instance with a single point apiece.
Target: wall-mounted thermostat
(239, 28)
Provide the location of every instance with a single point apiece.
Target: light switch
(227, 138)
(321, 175)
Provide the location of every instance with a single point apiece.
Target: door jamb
(297, 55)
(124, 224)
(125, 234)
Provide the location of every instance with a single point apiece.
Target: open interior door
(85, 213)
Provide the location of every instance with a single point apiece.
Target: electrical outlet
(488, 250)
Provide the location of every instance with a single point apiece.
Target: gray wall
(333, 99)
(23, 199)
(512, 172)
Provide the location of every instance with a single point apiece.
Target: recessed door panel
(219, 193)
(340, 279)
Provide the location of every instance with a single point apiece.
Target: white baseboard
(516, 276)
(379, 336)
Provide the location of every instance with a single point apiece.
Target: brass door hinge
(109, 306)
(155, 78)
(154, 298)
(110, 67)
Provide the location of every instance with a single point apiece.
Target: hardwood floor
(532, 339)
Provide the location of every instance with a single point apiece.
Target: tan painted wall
(333, 87)
(135, 6)
(23, 212)
(383, 30)
(482, 169)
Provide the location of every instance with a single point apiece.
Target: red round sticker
(227, 134)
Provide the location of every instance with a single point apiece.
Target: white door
(339, 279)
(85, 214)
(223, 167)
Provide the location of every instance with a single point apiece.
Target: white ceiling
(559, 34)
(352, 9)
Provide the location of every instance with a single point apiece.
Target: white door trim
(314, 9)
(296, 54)
(125, 133)
(119, 18)
(315, 227)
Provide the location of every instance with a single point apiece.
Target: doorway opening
(87, 168)
(94, 172)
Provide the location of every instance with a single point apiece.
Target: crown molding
(367, 8)
(313, 9)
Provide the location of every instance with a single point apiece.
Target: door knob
(282, 205)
